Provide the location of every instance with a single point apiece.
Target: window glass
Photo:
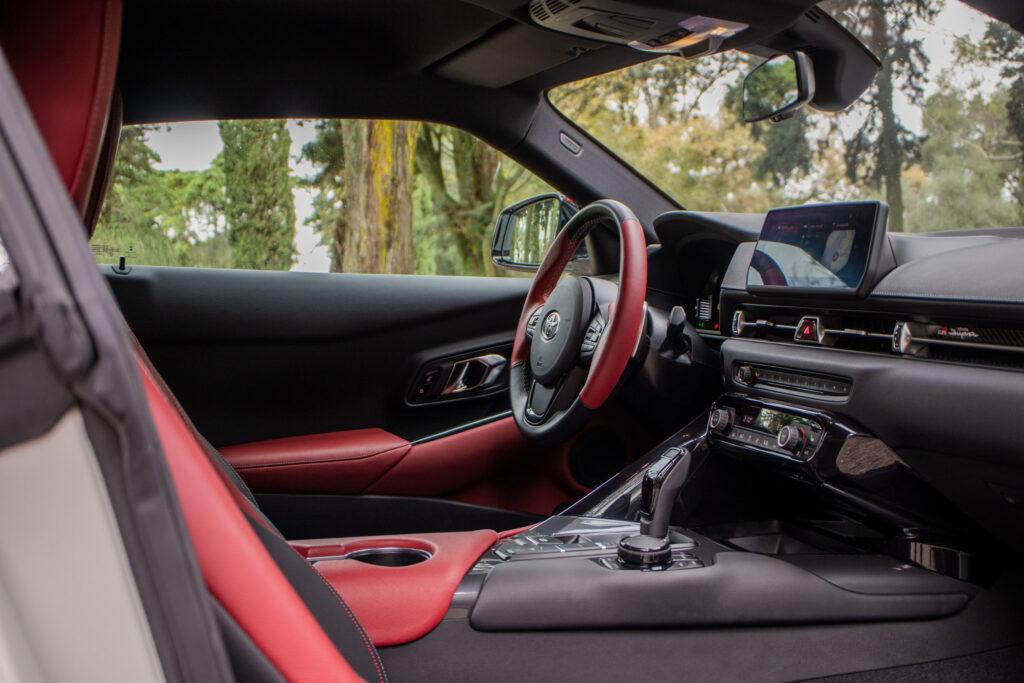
(356, 196)
(939, 134)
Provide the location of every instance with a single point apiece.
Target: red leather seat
(64, 56)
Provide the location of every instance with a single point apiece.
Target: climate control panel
(776, 429)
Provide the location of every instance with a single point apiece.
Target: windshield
(939, 134)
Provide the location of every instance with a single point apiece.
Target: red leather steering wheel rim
(626, 318)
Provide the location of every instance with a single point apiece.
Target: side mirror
(524, 231)
(778, 87)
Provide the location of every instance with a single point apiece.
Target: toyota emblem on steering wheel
(550, 326)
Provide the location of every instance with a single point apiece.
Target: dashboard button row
(752, 375)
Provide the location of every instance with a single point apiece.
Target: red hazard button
(807, 330)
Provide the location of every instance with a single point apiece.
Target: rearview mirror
(778, 87)
(524, 231)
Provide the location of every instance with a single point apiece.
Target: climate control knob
(791, 438)
(720, 420)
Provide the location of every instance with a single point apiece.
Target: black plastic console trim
(316, 515)
(735, 588)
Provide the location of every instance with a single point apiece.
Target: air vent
(556, 6)
(886, 334)
(960, 343)
(539, 12)
(814, 14)
(853, 332)
(544, 10)
(704, 309)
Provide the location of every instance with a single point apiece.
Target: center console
(613, 561)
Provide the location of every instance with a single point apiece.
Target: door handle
(475, 373)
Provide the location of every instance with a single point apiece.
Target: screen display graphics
(814, 247)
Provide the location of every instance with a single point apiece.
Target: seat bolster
(237, 568)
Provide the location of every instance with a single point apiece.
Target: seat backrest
(289, 612)
(64, 56)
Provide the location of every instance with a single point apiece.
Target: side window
(348, 195)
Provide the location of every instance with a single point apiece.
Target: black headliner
(211, 59)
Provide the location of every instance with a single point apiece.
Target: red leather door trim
(237, 569)
(338, 462)
(396, 605)
(492, 464)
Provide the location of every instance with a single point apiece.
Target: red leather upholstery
(488, 465)
(396, 605)
(514, 532)
(624, 329)
(492, 465)
(334, 462)
(236, 567)
(64, 55)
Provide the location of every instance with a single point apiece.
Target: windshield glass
(939, 134)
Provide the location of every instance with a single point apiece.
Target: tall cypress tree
(260, 208)
(881, 148)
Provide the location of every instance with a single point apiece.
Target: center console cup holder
(390, 557)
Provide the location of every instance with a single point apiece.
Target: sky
(189, 146)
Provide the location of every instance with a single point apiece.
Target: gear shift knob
(658, 490)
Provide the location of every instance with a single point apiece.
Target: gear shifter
(658, 491)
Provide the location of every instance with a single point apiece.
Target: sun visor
(512, 53)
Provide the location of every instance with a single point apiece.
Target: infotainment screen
(822, 246)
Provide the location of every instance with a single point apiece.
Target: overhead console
(843, 66)
(650, 29)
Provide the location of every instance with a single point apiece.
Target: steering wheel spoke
(543, 401)
(592, 338)
(539, 401)
(531, 324)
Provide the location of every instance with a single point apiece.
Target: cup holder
(390, 557)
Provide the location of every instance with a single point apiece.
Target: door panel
(305, 382)
(255, 355)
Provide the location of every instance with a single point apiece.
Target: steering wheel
(576, 335)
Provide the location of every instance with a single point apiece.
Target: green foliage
(457, 186)
(154, 217)
(964, 170)
(787, 151)
(678, 122)
(970, 170)
(129, 221)
(769, 88)
(259, 206)
(380, 185)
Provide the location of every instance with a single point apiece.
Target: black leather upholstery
(327, 607)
